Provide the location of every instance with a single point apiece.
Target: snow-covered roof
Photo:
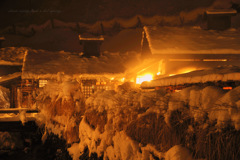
(45, 64)
(223, 73)
(192, 40)
(12, 55)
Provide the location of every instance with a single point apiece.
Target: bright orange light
(215, 60)
(177, 90)
(158, 73)
(172, 74)
(146, 77)
(227, 88)
(123, 79)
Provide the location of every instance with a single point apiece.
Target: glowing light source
(158, 73)
(215, 60)
(177, 90)
(146, 77)
(227, 88)
(123, 79)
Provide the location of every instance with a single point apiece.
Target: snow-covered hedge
(132, 124)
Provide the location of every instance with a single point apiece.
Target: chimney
(219, 19)
(91, 45)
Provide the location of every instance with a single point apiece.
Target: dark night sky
(26, 12)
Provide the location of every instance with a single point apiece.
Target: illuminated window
(177, 90)
(183, 60)
(103, 83)
(88, 91)
(215, 60)
(227, 88)
(42, 82)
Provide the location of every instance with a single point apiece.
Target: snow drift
(131, 124)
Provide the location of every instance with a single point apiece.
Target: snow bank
(178, 153)
(59, 103)
(210, 102)
(110, 144)
(126, 123)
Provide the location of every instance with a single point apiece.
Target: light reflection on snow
(147, 77)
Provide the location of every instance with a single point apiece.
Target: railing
(18, 110)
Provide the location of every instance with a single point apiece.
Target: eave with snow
(222, 76)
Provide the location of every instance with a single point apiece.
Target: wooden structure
(13, 123)
(11, 79)
(219, 19)
(91, 45)
(2, 39)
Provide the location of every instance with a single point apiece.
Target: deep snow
(106, 116)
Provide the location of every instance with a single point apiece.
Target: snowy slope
(223, 73)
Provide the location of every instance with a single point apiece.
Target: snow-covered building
(181, 49)
(92, 73)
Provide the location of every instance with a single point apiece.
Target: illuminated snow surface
(115, 144)
(221, 73)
